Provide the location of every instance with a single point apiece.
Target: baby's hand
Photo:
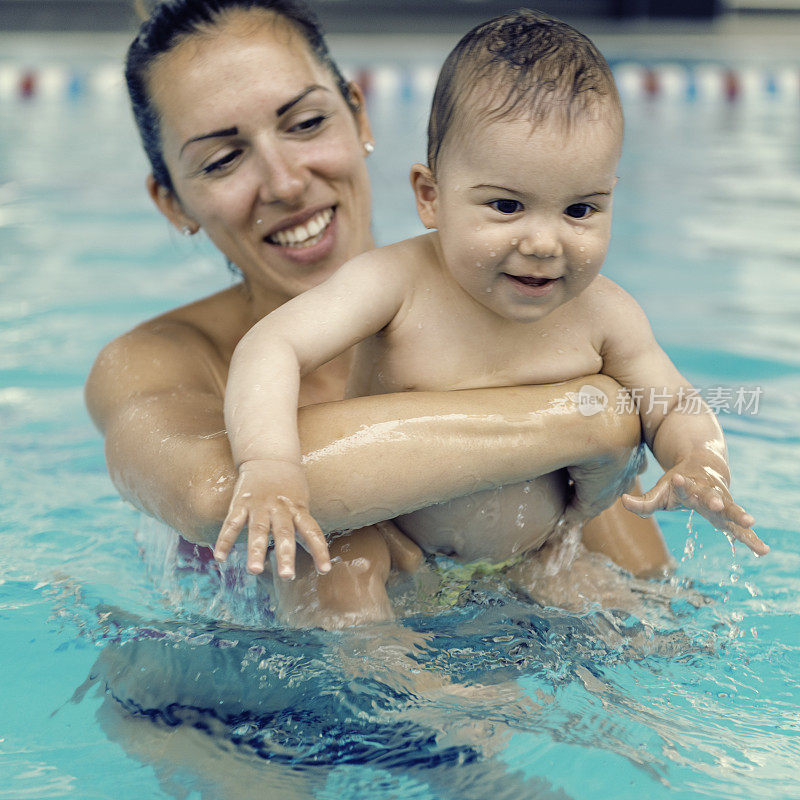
(271, 498)
(693, 485)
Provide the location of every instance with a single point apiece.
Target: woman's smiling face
(264, 152)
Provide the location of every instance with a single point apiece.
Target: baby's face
(524, 213)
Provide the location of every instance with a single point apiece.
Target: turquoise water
(123, 678)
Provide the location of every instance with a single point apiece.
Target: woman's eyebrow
(212, 135)
(235, 131)
(295, 100)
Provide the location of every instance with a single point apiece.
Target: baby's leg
(354, 591)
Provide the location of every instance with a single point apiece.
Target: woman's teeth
(305, 235)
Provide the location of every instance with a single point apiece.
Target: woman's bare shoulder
(185, 349)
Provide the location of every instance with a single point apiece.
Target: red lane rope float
(27, 84)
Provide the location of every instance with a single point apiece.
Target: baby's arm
(271, 493)
(685, 437)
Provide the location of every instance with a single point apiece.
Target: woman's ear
(168, 204)
(426, 193)
(359, 105)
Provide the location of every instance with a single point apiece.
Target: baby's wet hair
(523, 64)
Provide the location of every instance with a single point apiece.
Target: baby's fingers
(649, 502)
(747, 536)
(285, 547)
(720, 510)
(313, 540)
(229, 532)
(258, 529)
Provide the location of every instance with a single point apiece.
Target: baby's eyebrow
(495, 187)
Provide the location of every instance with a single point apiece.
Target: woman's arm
(368, 459)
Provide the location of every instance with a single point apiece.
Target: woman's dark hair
(531, 64)
(172, 21)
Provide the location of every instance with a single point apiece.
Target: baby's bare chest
(441, 355)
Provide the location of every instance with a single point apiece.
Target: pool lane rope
(668, 81)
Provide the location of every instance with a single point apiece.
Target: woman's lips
(304, 234)
(309, 241)
(530, 285)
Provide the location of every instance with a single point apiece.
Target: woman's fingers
(229, 532)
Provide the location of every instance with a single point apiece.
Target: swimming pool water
(118, 681)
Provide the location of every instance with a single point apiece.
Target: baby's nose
(541, 241)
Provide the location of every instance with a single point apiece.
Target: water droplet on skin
(582, 249)
(492, 254)
(580, 231)
(478, 228)
(478, 264)
(560, 351)
(489, 290)
(588, 261)
(514, 242)
(543, 334)
(259, 222)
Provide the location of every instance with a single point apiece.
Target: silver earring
(369, 147)
(186, 230)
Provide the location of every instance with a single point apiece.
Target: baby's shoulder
(617, 319)
(399, 261)
(607, 302)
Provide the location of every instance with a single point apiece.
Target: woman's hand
(271, 498)
(596, 485)
(692, 484)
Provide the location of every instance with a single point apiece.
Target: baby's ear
(426, 193)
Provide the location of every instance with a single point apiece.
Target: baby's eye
(221, 163)
(310, 124)
(579, 210)
(506, 206)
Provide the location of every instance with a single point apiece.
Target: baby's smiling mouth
(530, 280)
(304, 235)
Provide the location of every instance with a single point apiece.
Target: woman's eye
(310, 124)
(221, 163)
(579, 210)
(506, 206)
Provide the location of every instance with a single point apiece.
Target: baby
(524, 139)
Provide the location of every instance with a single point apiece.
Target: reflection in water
(429, 707)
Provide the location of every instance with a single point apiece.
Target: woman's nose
(284, 179)
(541, 241)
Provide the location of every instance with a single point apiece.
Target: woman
(254, 136)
